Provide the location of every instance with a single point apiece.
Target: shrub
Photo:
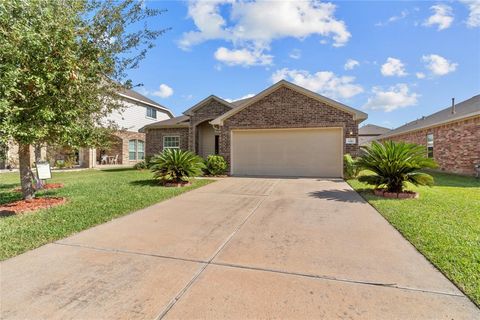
(394, 164)
(142, 165)
(174, 165)
(350, 167)
(215, 165)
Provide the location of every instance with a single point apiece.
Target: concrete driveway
(240, 248)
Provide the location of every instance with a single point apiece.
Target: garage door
(288, 152)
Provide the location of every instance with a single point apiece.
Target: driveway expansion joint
(195, 277)
(330, 278)
(111, 250)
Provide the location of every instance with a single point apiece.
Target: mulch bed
(34, 204)
(47, 186)
(177, 184)
(394, 195)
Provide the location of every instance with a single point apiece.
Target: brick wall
(286, 108)
(456, 145)
(154, 139)
(120, 147)
(209, 111)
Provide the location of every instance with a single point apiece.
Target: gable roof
(205, 101)
(135, 96)
(464, 109)
(372, 130)
(358, 115)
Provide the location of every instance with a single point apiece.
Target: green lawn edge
(443, 225)
(93, 197)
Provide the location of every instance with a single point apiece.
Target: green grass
(443, 224)
(94, 197)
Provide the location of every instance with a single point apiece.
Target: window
(171, 142)
(136, 150)
(132, 155)
(430, 145)
(152, 113)
(140, 150)
(217, 144)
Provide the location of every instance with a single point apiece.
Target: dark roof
(177, 122)
(372, 130)
(463, 109)
(137, 96)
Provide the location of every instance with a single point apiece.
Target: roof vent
(453, 106)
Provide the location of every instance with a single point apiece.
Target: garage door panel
(292, 152)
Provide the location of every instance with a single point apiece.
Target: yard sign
(43, 171)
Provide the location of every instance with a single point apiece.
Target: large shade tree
(61, 64)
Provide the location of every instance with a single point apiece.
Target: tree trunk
(38, 158)
(25, 171)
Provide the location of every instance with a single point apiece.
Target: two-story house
(127, 146)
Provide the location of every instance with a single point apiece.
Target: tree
(393, 164)
(62, 63)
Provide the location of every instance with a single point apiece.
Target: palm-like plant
(394, 164)
(176, 166)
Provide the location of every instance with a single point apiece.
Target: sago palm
(174, 165)
(394, 164)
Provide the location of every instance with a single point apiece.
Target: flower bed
(395, 195)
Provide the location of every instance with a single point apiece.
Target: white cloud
(442, 17)
(350, 64)
(255, 24)
(243, 57)
(163, 91)
(420, 75)
(401, 16)
(295, 54)
(323, 82)
(244, 97)
(474, 14)
(438, 65)
(393, 67)
(395, 97)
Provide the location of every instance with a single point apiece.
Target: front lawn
(443, 224)
(93, 197)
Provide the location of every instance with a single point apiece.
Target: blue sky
(397, 61)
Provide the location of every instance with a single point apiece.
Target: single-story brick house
(451, 136)
(370, 132)
(285, 130)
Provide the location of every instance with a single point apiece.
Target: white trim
(170, 136)
(434, 125)
(204, 101)
(357, 115)
(147, 103)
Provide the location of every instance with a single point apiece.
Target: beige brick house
(285, 130)
(451, 136)
(128, 144)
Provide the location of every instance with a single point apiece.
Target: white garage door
(288, 152)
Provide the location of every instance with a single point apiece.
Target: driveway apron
(239, 248)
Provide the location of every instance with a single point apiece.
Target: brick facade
(287, 108)
(209, 111)
(283, 108)
(154, 139)
(121, 145)
(456, 145)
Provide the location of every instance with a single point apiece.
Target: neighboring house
(370, 132)
(128, 146)
(451, 136)
(285, 130)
